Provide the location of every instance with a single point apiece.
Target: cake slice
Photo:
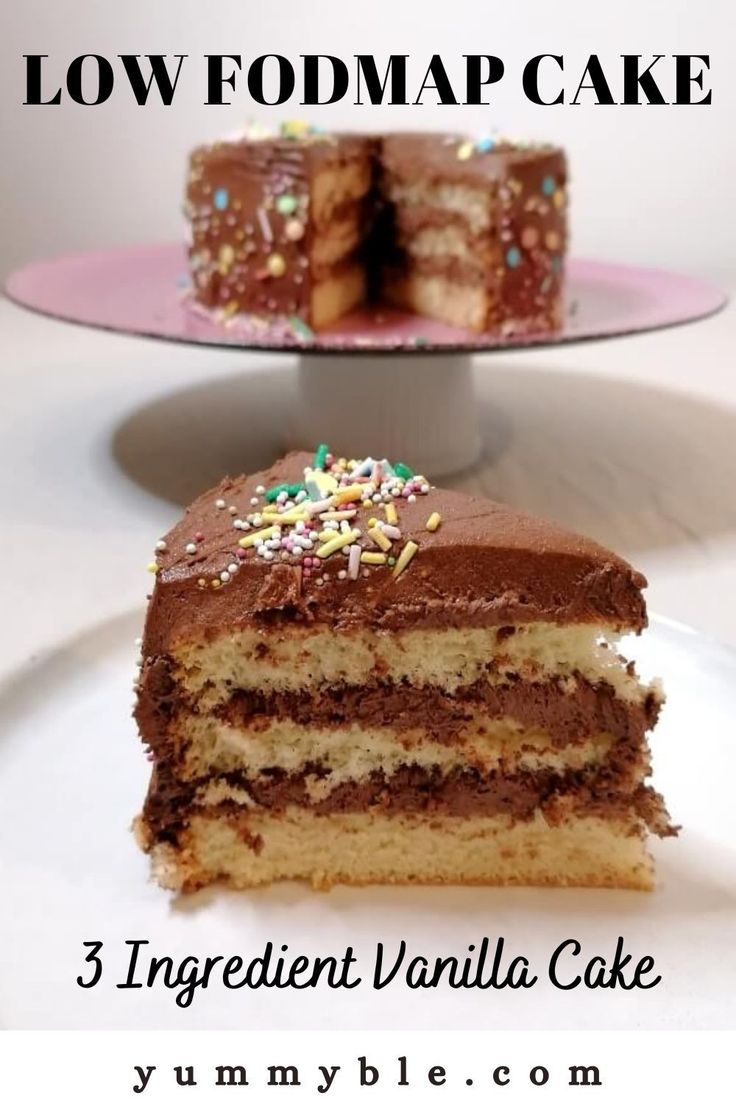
(351, 676)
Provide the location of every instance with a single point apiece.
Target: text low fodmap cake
(351, 676)
(305, 226)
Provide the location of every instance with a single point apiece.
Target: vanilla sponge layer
(297, 658)
(473, 205)
(351, 752)
(253, 848)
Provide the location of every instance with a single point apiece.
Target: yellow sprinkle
(406, 556)
(464, 151)
(379, 537)
(433, 522)
(373, 557)
(152, 567)
(348, 494)
(262, 534)
(336, 543)
(215, 584)
(226, 255)
(372, 522)
(559, 199)
(326, 535)
(391, 515)
(276, 265)
(338, 515)
(288, 517)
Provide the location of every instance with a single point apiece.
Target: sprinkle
(220, 503)
(254, 501)
(552, 240)
(224, 577)
(529, 237)
(340, 515)
(273, 492)
(152, 567)
(349, 494)
(312, 508)
(232, 568)
(232, 510)
(464, 151)
(264, 224)
(201, 582)
(320, 457)
(513, 257)
(294, 128)
(391, 516)
(392, 532)
(226, 256)
(221, 198)
(276, 265)
(405, 557)
(485, 145)
(286, 204)
(161, 546)
(373, 557)
(354, 561)
(338, 542)
(549, 186)
(342, 575)
(215, 584)
(403, 471)
(320, 485)
(260, 535)
(433, 522)
(379, 537)
(260, 489)
(300, 327)
(191, 549)
(294, 230)
(559, 199)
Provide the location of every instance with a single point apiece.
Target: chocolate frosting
(486, 565)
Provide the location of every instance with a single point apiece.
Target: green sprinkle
(273, 492)
(403, 471)
(320, 457)
(293, 489)
(300, 327)
(391, 561)
(286, 204)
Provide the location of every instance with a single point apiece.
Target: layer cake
(351, 676)
(305, 226)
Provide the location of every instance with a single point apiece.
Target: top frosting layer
(485, 564)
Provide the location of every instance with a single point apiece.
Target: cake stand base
(420, 409)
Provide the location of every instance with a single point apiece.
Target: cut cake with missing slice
(351, 676)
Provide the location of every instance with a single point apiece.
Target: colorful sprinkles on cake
(320, 520)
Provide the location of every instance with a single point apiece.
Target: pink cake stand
(380, 381)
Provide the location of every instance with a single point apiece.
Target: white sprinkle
(225, 576)
(260, 490)
(267, 554)
(232, 510)
(138, 642)
(342, 574)
(320, 581)
(232, 568)
(391, 531)
(254, 502)
(296, 550)
(220, 503)
(238, 524)
(411, 498)
(191, 549)
(264, 224)
(354, 561)
(161, 546)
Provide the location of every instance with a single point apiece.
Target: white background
(652, 184)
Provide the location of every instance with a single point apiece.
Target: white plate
(72, 775)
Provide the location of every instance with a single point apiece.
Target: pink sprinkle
(306, 572)
(240, 553)
(290, 544)
(199, 537)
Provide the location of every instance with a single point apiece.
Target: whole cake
(305, 226)
(351, 676)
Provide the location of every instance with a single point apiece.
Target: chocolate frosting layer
(486, 565)
(614, 791)
(569, 717)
